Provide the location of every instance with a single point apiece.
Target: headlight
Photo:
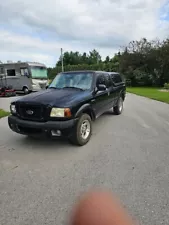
(13, 109)
(60, 112)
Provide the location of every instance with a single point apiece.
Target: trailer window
(1, 70)
(11, 73)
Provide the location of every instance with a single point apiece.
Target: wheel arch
(86, 109)
(25, 86)
(122, 94)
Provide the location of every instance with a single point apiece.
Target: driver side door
(100, 98)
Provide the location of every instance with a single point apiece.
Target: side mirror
(101, 87)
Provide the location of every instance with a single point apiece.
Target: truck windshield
(79, 80)
(39, 72)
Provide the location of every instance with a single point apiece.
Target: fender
(25, 86)
(83, 108)
(123, 93)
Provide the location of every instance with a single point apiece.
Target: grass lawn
(152, 93)
(3, 113)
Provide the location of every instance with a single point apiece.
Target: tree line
(143, 62)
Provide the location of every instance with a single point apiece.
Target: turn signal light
(67, 112)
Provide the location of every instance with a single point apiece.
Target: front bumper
(37, 88)
(50, 128)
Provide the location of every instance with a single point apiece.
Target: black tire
(25, 90)
(119, 107)
(77, 137)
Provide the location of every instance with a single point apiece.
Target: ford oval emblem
(29, 112)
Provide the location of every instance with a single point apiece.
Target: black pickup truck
(69, 105)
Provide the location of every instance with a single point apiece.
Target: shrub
(166, 85)
(50, 81)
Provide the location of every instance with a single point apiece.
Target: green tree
(107, 60)
(143, 62)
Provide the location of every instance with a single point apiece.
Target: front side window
(101, 80)
(116, 78)
(24, 72)
(81, 80)
(107, 79)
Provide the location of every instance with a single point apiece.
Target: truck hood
(56, 97)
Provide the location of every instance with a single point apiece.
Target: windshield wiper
(75, 88)
(53, 88)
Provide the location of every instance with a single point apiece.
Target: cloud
(37, 27)
(35, 57)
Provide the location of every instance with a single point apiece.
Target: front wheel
(26, 90)
(83, 131)
(119, 107)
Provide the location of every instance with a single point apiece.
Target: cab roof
(91, 71)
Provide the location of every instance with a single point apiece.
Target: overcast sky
(35, 30)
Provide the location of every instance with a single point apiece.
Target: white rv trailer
(24, 76)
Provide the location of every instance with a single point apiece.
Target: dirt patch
(164, 90)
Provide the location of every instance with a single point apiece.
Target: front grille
(32, 112)
(29, 130)
(42, 86)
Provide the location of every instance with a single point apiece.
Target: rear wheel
(83, 131)
(119, 108)
(26, 90)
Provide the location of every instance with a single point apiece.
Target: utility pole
(62, 59)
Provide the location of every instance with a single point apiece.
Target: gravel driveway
(128, 154)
